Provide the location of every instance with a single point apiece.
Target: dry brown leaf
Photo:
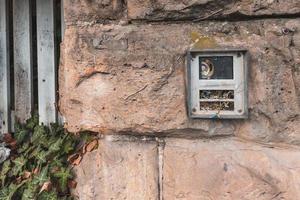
(75, 159)
(46, 187)
(7, 138)
(91, 146)
(54, 169)
(27, 175)
(19, 179)
(13, 145)
(72, 184)
(10, 141)
(35, 171)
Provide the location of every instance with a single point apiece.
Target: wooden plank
(4, 69)
(23, 59)
(46, 61)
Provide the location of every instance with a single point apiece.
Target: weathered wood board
(62, 13)
(46, 61)
(4, 70)
(23, 59)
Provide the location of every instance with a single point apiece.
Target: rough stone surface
(131, 79)
(77, 11)
(229, 170)
(119, 170)
(92, 10)
(123, 71)
(162, 10)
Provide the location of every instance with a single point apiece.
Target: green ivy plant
(38, 167)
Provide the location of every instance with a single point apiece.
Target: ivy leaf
(55, 147)
(32, 122)
(7, 193)
(56, 163)
(48, 196)
(63, 176)
(69, 146)
(42, 157)
(19, 128)
(23, 148)
(30, 192)
(21, 136)
(18, 165)
(56, 129)
(35, 152)
(43, 176)
(5, 169)
(39, 136)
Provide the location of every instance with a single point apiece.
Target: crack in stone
(135, 93)
(90, 75)
(161, 147)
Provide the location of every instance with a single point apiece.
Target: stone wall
(123, 75)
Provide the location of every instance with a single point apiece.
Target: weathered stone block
(125, 169)
(160, 10)
(131, 79)
(92, 10)
(229, 169)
